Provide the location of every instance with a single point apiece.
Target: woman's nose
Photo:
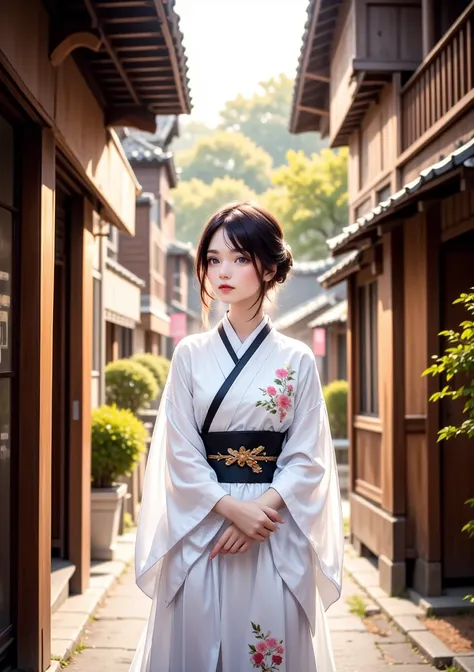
(224, 270)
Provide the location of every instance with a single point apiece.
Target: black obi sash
(240, 457)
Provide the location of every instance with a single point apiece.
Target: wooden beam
(317, 77)
(313, 110)
(85, 39)
(139, 118)
(80, 372)
(35, 399)
(169, 40)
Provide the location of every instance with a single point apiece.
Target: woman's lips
(225, 289)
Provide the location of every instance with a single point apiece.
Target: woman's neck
(244, 320)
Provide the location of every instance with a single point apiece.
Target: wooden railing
(440, 84)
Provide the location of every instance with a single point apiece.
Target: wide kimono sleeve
(180, 487)
(306, 478)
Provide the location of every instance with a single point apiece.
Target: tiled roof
(137, 148)
(124, 272)
(346, 261)
(464, 155)
(177, 248)
(311, 267)
(334, 315)
(304, 310)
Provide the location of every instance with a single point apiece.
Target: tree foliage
(456, 365)
(226, 154)
(264, 117)
(196, 201)
(310, 200)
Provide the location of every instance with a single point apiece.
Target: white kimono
(263, 609)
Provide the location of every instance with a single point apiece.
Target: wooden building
(153, 254)
(69, 71)
(394, 81)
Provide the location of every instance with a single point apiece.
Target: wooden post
(428, 26)
(35, 400)
(391, 373)
(351, 379)
(80, 369)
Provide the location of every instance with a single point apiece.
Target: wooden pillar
(428, 25)
(422, 248)
(392, 406)
(35, 399)
(351, 378)
(80, 369)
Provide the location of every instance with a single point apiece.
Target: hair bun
(285, 264)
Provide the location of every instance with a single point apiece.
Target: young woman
(240, 537)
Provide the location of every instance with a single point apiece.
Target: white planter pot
(106, 507)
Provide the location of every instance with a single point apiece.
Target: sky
(232, 45)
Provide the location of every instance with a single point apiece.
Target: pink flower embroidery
(283, 401)
(262, 647)
(278, 398)
(267, 654)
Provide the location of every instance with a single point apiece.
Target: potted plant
(159, 366)
(118, 440)
(129, 385)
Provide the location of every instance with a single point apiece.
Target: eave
(130, 53)
(310, 106)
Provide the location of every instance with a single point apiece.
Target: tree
(264, 117)
(189, 133)
(310, 200)
(227, 154)
(457, 366)
(196, 201)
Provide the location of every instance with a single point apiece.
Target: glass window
(369, 395)
(5, 290)
(97, 317)
(5, 504)
(6, 163)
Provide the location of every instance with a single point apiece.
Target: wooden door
(457, 455)
(59, 504)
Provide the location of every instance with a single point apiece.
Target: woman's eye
(242, 260)
(212, 261)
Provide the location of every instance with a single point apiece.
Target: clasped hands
(249, 522)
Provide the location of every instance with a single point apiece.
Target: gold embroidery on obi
(245, 457)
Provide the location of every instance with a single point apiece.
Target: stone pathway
(113, 634)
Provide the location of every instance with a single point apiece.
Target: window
(369, 402)
(112, 243)
(96, 325)
(125, 342)
(384, 193)
(8, 374)
(341, 357)
(177, 279)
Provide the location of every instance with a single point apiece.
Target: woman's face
(232, 275)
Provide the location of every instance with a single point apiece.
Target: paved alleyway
(112, 637)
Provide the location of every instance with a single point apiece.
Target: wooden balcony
(442, 87)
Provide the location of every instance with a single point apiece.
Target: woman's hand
(232, 541)
(254, 519)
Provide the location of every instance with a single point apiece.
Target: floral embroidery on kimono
(267, 654)
(279, 399)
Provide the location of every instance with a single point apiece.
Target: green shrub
(129, 385)
(158, 365)
(118, 439)
(335, 395)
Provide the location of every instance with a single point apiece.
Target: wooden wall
(121, 296)
(63, 99)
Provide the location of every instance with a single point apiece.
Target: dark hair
(252, 230)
